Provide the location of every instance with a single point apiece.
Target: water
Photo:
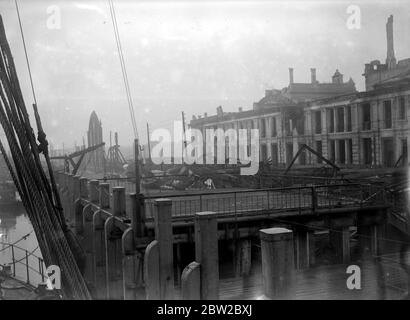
(14, 225)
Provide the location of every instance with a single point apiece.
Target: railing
(272, 200)
(27, 260)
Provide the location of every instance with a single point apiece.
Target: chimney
(205, 114)
(313, 75)
(290, 75)
(240, 109)
(390, 60)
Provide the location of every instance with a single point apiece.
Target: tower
(390, 60)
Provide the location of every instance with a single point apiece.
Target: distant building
(351, 128)
(95, 137)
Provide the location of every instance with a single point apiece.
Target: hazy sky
(190, 56)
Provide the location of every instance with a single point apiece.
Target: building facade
(349, 128)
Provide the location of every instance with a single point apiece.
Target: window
(402, 108)
(387, 114)
(340, 119)
(342, 151)
(319, 150)
(264, 152)
(273, 128)
(366, 117)
(404, 152)
(367, 151)
(331, 120)
(274, 154)
(349, 151)
(332, 150)
(349, 118)
(263, 128)
(318, 122)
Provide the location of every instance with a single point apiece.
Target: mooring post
(206, 253)
(304, 248)
(99, 255)
(84, 188)
(277, 261)
(137, 215)
(163, 233)
(118, 201)
(104, 195)
(79, 207)
(243, 257)
(191, 282)
(87, 242)
(70, 198)
(94, 191)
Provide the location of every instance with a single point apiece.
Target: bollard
(118, 201)
(277, 261)
(137, 215)
(104, 195)
(152, 271)
(94, 191)
(76, 182)
(113, 260)
(99, 255)
(163, 234)
(87, 242)
(83, 188)
(206, 253)
(191, 282)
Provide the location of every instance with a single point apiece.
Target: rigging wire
(123, 67)
(25, 52)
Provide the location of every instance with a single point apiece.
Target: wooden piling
(206, 253)
(104, 195)
(94, 191)
(277, 261)
(304, 248)
(137, 215)
(99, 255)
(152, 271)
(118, 201)
(191, 282)
(164, 236)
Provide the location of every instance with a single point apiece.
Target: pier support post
(158, 260)
(94, 191)
(137, 215)
(191, 282)
(104, 195)
(99, 255)
(243, 258)
(277, 261)
(118, 201)
(206, 253)
(340, 242)
(131, 265)
(79, 207)
(87, 242)
(70, 198)
(163, 233)
(113, 247)
(370, 238)
(304, 248)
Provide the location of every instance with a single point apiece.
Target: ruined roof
(312, 91)
(276, 97)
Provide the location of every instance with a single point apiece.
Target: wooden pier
(133, 243)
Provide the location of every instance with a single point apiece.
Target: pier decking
(380, 281)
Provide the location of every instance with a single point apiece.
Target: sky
(189, 56)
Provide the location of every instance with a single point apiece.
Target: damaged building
(348, 127)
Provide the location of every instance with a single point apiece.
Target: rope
(31, 181)
(123, 68)
(25, 52)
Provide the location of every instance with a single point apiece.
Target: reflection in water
(14, 226)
